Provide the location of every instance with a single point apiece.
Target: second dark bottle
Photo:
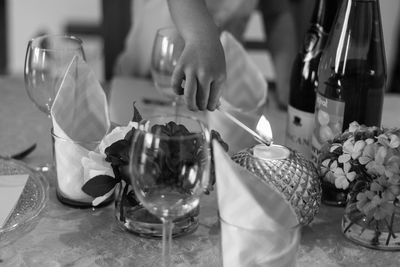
(304, 78)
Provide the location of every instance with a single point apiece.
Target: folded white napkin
(80, 116)
(262, 227)
(11, 188)
(244, 95)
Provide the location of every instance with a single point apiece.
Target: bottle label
(328, 123)
(298, 131)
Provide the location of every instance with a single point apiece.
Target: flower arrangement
(365, 159)
(366, 162)
(109, 166)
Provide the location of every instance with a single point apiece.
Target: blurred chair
(116, 21)
(3, 37)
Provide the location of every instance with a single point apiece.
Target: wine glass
(46, 60)
(167, 48)
(169, 168)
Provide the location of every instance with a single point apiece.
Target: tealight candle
(272, 152)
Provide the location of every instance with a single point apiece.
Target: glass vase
(383, 234)
(133, 217)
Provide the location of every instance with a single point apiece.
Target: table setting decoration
(364, 162)
(129, 212)
(287, 171)
(80, 121)
(259, 228)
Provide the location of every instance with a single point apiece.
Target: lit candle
(272, 152)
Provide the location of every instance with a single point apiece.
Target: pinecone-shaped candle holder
(289, 173)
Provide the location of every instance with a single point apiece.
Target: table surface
(65, 236)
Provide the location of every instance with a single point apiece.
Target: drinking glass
(167, 48)
(169, 168)
(46, 60)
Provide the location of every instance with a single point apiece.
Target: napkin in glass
(258, 226)
(80, 115)
(244, 95)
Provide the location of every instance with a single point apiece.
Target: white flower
(368, 154)
(341, 182)
(376, 166)
(95, 164)
(354, 126)
(351, 150)
(344, 176)
(116, 134)
(328, 167)
(394, 141)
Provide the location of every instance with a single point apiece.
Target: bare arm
(202, 63)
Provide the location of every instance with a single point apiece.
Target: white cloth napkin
(244, 95)
(11, 188)
(80, 116)
(246, 202)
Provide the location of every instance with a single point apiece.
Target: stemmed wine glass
(47, 58)
(46, 61)
(169, 168)
(167, 48)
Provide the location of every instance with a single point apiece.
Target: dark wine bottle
(304, 78)
(351, 73)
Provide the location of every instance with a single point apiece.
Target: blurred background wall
(27, 18)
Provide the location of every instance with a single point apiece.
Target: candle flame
(264, 128)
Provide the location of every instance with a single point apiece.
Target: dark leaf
(136, 115)
(128, 137)
(132, 199)
(99, 185)
(118, 152)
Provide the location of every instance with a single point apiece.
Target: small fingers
(215, 94)
(177, 78)
(190, 92)
(203, 92)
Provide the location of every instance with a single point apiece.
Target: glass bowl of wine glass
(47, 58)
(167, 48)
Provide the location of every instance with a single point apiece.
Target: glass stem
(166, 241)
(176, 103)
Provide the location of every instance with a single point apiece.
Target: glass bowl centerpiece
(109, 172)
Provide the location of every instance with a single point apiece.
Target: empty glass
(167, 48)
(46, 61)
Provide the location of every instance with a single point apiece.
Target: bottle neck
(324, 14)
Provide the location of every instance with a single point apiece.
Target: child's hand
(202, 66)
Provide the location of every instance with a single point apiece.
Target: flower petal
(344, 158)
(350, 176)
